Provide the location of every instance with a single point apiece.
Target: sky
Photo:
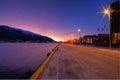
(58, 19)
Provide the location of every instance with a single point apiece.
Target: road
(82, 62)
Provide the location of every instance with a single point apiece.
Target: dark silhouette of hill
(9, 34)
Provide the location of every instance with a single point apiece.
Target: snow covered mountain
(9, 34)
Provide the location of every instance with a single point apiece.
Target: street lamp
(107, 11)
(79, 34)
(78, 30)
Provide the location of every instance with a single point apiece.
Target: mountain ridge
(10, 34)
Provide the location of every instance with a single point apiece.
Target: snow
(17, 58)
(12, 29)
(82, 62)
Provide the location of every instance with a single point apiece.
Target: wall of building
(115, 22)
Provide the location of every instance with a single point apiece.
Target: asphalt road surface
(82, 62)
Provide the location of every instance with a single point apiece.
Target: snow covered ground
(83, 62)
(18, 58)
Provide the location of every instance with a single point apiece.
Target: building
(88, 39)
(102, 39)
(115, 23)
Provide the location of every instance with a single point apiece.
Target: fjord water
(18, 58)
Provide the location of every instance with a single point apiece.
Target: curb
(41, 69)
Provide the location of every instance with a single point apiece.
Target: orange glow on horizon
(56, 38)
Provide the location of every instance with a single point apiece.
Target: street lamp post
(79, 35)
(107, 11)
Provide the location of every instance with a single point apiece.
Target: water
(18, 60)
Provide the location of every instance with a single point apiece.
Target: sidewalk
(102, 47)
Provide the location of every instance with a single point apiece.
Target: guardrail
(40, 70)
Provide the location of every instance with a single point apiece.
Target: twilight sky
(58, 19)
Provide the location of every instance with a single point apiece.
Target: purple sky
(57, 19)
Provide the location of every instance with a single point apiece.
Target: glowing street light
(78, 30)
(107, 11)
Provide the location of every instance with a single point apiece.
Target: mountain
(9, 34)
